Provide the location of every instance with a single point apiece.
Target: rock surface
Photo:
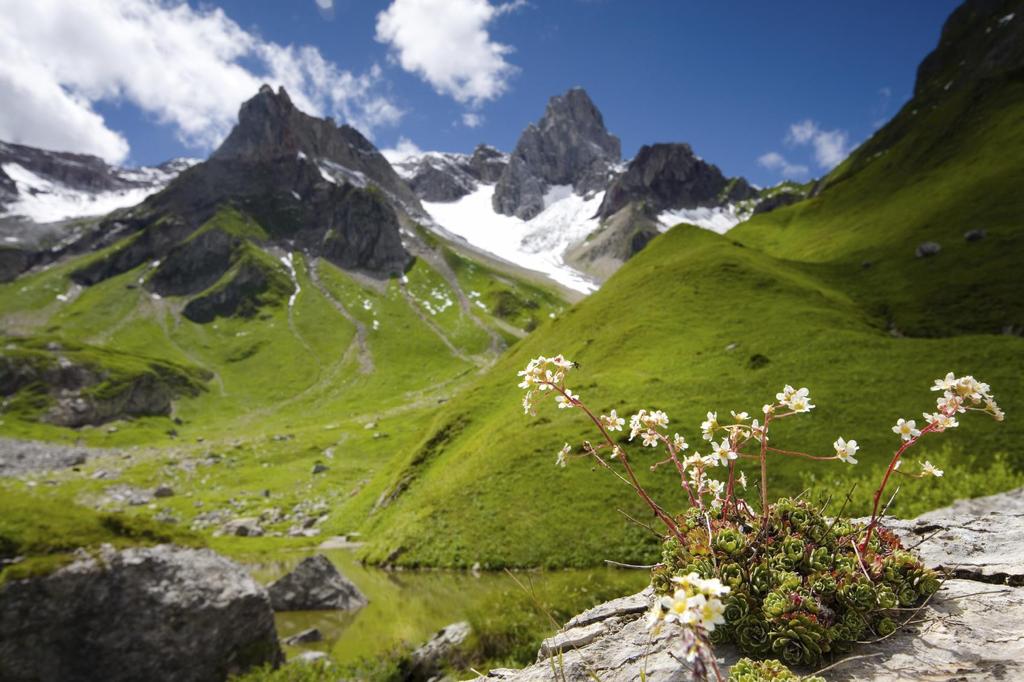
(970, 630)
(670, 176)
(569, 145)
(428, 660)
(19, 457)
(159, 613)
(315, 584)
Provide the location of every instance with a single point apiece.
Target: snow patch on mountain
(538, 244)
(717, 219)
(43, 200)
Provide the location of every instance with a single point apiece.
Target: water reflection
(408, 607)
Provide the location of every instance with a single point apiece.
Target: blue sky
(730, 78)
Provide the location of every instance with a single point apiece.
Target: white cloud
(187, 68)
(446, 43)
(777, 162)
(325, 4)
(472, 120)
(401, 151)
(830, 146)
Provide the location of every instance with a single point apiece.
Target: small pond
(408, 607)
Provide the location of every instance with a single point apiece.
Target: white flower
(946, 384)
(616, 451)
(650, 437)
(739, 416)
(612, 421)
(757, 431)
(679, 443)
(767, 409)
(723, 451)
(528, 403)
(786, 394)
(928, 469)
(990, 406)
(941, 421)
(907, 430)
(657, 418)
(636, 423)
(562, 455)
(716, 487)
(845, 450)
(708, 426)
(950, 403)
(798, 400)
(566, 400)
(743, 480)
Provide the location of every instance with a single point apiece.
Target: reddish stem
(658, 511)
(885, 480)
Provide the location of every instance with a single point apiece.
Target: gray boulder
(487, 164)
(569, 145)
(306, 636)
(158, 613)
(926, 249)
(315, 584)
(975, 235)
(970, 630)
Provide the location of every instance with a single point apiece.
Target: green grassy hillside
(349, 376)
(827, 294)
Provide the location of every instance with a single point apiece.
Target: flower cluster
(695, 602)
(546, 374)
(797, 588)
(962, 394)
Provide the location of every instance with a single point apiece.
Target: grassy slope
(286, 386)
(678, 326)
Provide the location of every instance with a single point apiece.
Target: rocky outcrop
(619, 238)
(315, 584)
(243, 291)
(271, 128)
(970, 630)
(83, 386)
(981, 39)
(440, 177)
(306, 182)
(19, 457)
(159, 613)
(777, 200)
(487, 164)
(663, 177)
(13, 262)
(569, 145)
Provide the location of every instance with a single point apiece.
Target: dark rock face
(160, 613)
(315, 584)
(82, 392)
(194, 265)
(243, 294)
(270, 128)
(440, 177)
(77, 171)
(13, 262)
(310, 184)
(671, 176)
(926, 249)
(777, 200)
(980, 39)
(568, 146)
(487, 164)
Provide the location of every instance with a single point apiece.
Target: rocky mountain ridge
(569, 145)
(41, 185)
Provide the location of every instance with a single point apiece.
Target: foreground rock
(428, 660)
(970, 630)
(315, 584)
(159, 613)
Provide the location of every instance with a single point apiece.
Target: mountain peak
(569, 145)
